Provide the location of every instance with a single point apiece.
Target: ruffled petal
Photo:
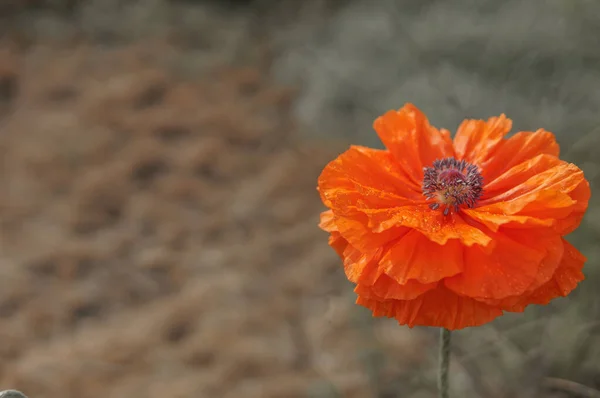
(581, 194)
(366, 178)
(362, 267)
(565, 280)
(543, 191)
(495, 221)
(412, 140)
(327, 221)
(517, 149)
(354, 227)
(476, 140)
(338, 243)
(554, 249)
(362, 180)
(507, 270)
(414, 257)
(438, 307)
(536, 174)
(385, 288)
(358, 265)
(431, 223)
(354, 259)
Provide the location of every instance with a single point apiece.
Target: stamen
(452, 183)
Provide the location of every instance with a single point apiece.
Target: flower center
(451, 183)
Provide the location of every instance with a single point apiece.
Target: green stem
(444, 363)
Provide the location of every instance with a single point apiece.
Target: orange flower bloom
(452, 233)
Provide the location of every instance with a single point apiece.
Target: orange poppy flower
(453, 233)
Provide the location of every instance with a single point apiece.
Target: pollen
(452, 183)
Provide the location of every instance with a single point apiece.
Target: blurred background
(158, 211)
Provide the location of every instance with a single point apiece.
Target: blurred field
(158, 208)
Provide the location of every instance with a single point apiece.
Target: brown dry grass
(159, 236)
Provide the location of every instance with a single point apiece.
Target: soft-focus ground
(158, 207)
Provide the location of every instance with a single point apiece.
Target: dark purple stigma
(451, 183)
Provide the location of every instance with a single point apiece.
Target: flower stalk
(444, 363)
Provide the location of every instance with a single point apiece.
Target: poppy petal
(327, 221)
(536, 174)
(438, 307)
(476, 140)
(366, 178)
(567, 277)
(357, 265)
(385, 288)
(517, 149)
(495, 221)
(432, 223)
(543, 191)
(361, 267)
(338, 243)
(555, 250)
(412, 140)
(415, 257)
(355, 228)
(581, 195)
(355, 232)
(507, 270)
